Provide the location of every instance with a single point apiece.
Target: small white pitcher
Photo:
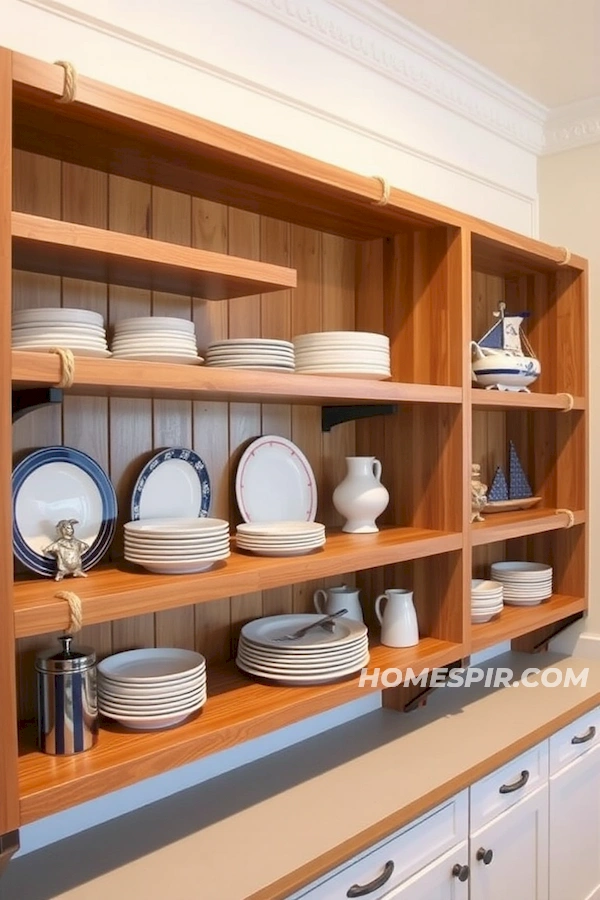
(335, 598)
(399, 626)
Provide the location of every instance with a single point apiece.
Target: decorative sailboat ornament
(498, 360)
(514, 494)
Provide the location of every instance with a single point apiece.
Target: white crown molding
(575, 125)
(374, 36)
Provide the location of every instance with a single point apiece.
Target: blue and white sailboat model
(515, 493)
(498, 359)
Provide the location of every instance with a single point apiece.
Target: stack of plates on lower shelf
(319, 656)
(79, 330)
(350, 354)
(252, 353)
(486, 600)
(177, 546)
(524, 583)
(280, 538)
(156, 339)
(150, 689)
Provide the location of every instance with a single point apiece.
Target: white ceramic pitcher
(399, 626)
(361, 497)
(335, 598)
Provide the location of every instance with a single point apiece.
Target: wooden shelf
(514, 621)
(237, 709)
(482, 399)
(129, 378)
(53, 247)
(122, 591)
(521, 522)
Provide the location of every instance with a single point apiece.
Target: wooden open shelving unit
(121, 205)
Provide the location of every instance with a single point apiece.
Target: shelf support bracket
(9, 844)
(541, 646)
(420, 699)
(337, 415)
(25, 401)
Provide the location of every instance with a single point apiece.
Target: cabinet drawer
(506, 786)
(399, 857)
(573, 740)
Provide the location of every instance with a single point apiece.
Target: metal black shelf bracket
(9, 844)
(420, 699)
(25, 401)
(337, 415)
(542, 646)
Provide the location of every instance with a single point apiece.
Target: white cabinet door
(438, 881)
(575, 829)
(509, 855)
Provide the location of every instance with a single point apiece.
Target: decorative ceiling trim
(374, 36)
(575, 125)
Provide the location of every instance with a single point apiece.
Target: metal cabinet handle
(461, 872)
(361, 890)
(584, 738)
(509, 788)
(484, 856)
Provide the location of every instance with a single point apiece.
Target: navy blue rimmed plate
(174, 484)
(61, 483)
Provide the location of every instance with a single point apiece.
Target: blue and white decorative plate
(61, 483)
(173, 485)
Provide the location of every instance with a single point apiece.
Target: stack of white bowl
(266, 649)
(524, 583)
(349, 354)
(487, 600)
(156, 339)
(264, 354)
(150, 689)
(177, 546)
(280, 538)
(79, 330)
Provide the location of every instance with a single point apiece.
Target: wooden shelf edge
(237, 710)
(505, 400)
(118, 592)
(130, 378)
(504, 526)
(515, 621)
(56, 247)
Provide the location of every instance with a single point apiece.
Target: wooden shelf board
(493, 251)
(515, 621)
(482, 399)
(237, 710)
(115, 592)
(130, 378)
(521, 522)
(54, 247)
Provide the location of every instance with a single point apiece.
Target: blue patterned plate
(61, 483)
(173, 485)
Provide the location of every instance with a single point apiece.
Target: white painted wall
(340, 80)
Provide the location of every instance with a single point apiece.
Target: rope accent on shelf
(569, 401)
(67, 366)
(75, 610)
(570, 516)
(70, 82)
(567, 258)
(386, 189)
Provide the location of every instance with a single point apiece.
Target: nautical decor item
(68, 550)
(478, 493)
(515, 493)
(498, 360)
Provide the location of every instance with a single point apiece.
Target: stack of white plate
(176, 546)
(316, 658)
(350, 354)
(486, 600)
(79, 330)
(252, 353)
(280, 538)
(524, 583)
(149, 689)
(156, 339)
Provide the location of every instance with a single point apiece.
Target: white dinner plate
(153, 723)
(162, 358)
(168, 527)
(151, 707)
(77, 351)
(275, 482)
(284, 528)
(286, 650)
(156, 691)
(151, 663)
(57, 314)
(155, 323)
(305, 679)
(251, 342)
(158, 567)
(360, 337)
(266, 630)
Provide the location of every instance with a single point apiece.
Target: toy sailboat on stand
(498, 360)
(515, 493)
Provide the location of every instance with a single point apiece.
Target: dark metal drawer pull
(590, 733)
(461, 872)
(484, 856)
(509, 788)
(361, 890)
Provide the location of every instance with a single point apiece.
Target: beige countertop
(265, 829)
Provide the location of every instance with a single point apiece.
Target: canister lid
(69, 659)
